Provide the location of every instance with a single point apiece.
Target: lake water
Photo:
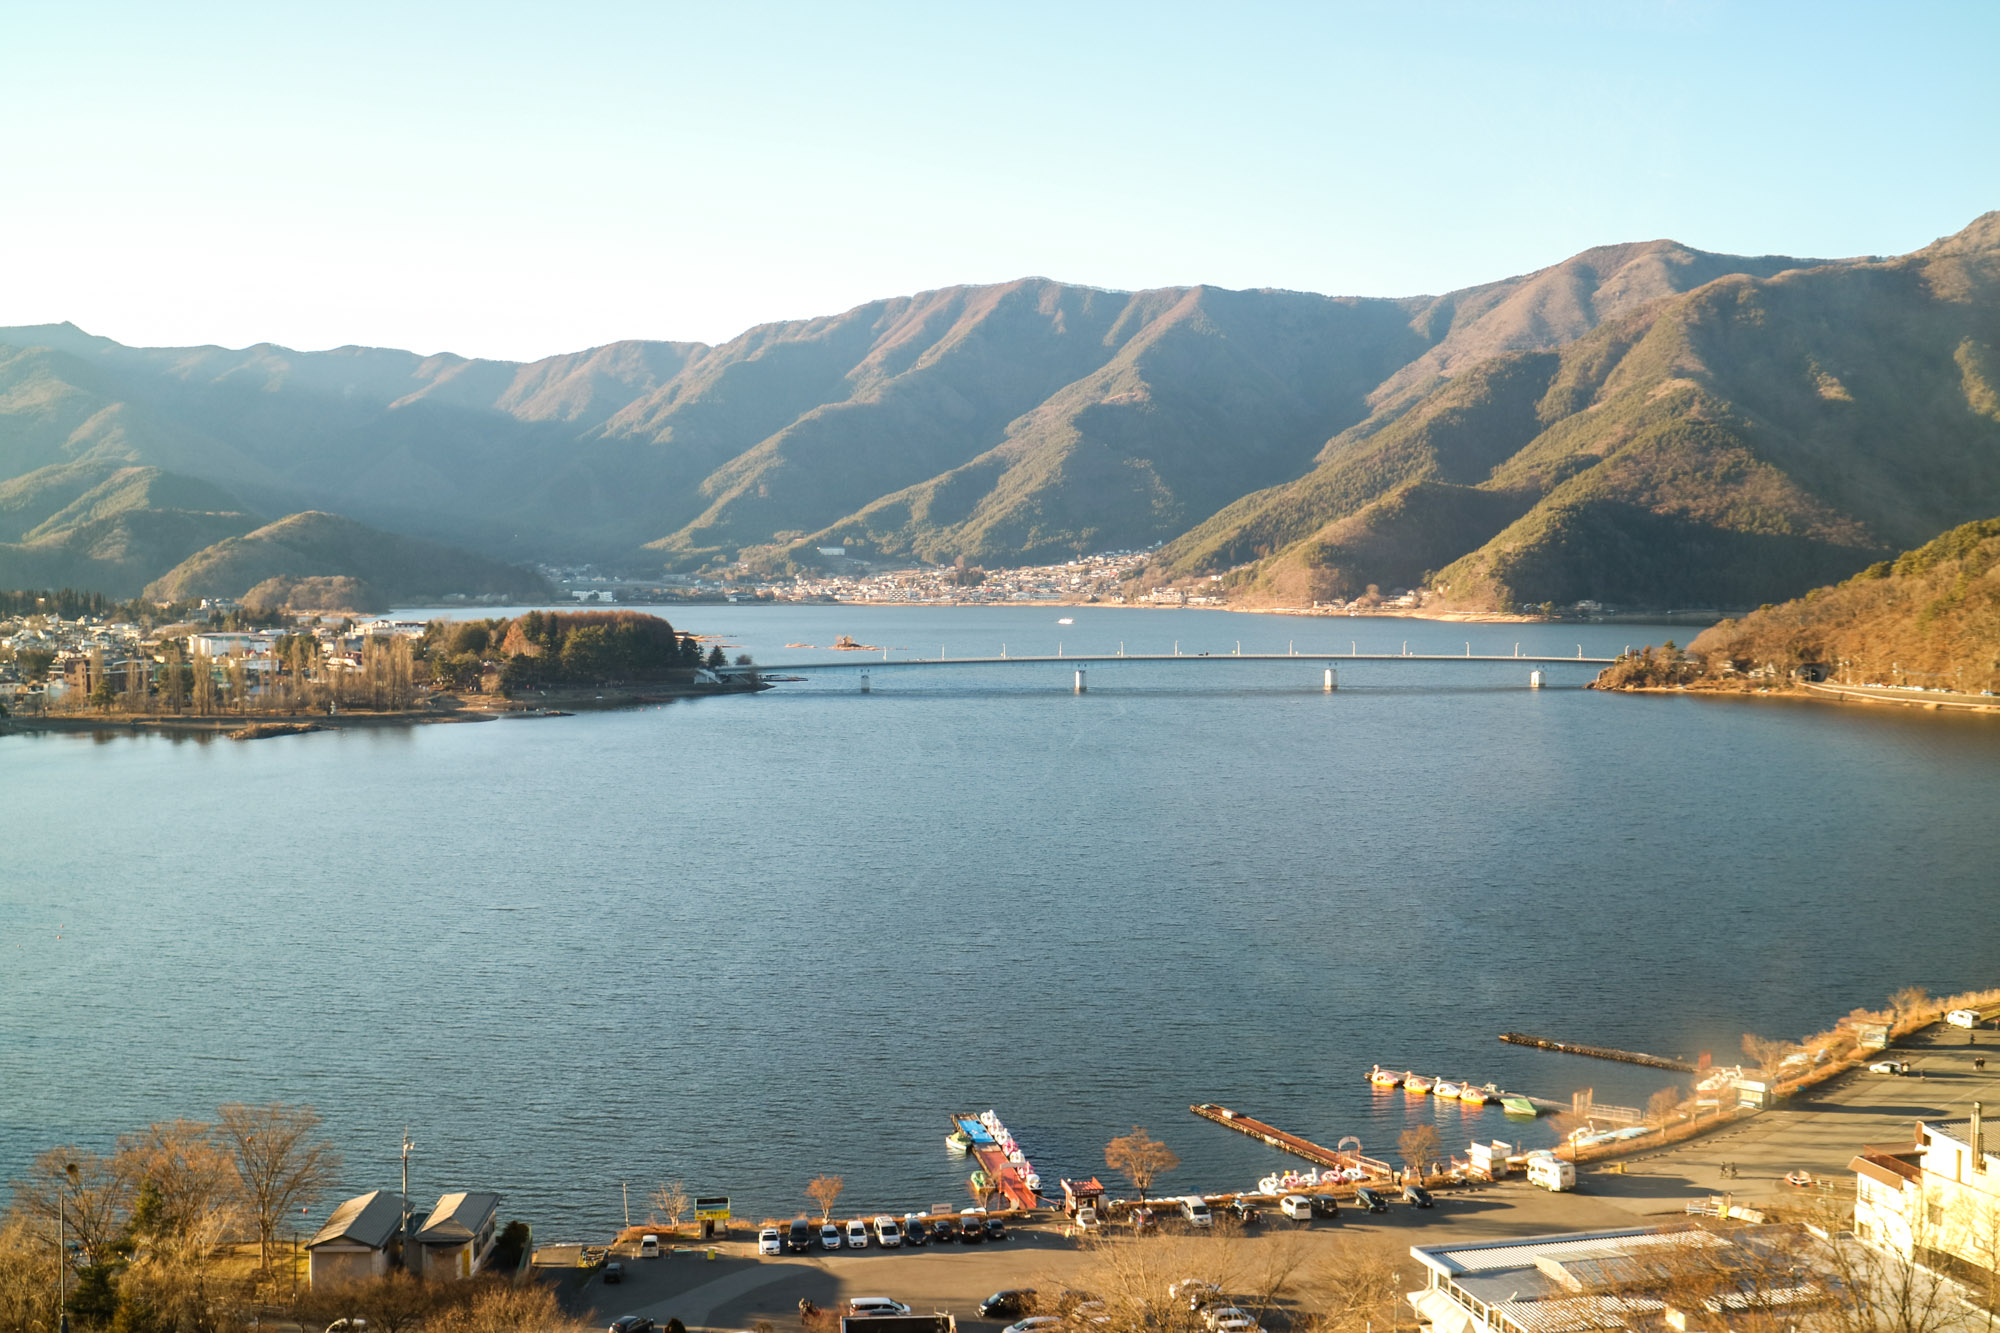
(742, 941)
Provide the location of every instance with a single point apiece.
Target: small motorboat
(1066, 620)
(981, 1181)
(958, 1141)
(1416, 1083)
(1513, 1105)
(1446, 1088)
(1384, 1078)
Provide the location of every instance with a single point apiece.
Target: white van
(649, 1246)
(1297, 1207)
(887, 1234)
(1196, 1211)
(1552, 1174)
(1962, 1018)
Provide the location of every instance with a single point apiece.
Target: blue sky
(518, 180)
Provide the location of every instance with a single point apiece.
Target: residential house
(1936, 1200)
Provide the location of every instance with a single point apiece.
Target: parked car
(863, 1307)
(1086, 1218)
(887, 1234)
(1418, 1195)
(799, 1236)
(1041, 1323)
(970, 1230)
(1325, 1205)
(613, 1272)
(1194, 1210)
(1009, 1304)
(857, 1235)
(1296, 1206)
(1890, 1067)
(631, 1323)
(649, 1246)
(995, 1229)
(1222, 1316)
(916, 1231)
(943, 1230)
(1194, 1293)
(768, 1242)
(1372, 1200)
(829, 1237)
(1245, 1212)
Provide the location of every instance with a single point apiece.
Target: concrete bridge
(1082, 662)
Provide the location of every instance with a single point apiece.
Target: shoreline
(1812, 692)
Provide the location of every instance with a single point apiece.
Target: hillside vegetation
(1645, 424)
(315, 561)
(1725, 446)
(1929, 617)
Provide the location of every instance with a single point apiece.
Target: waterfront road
(1819, 1134)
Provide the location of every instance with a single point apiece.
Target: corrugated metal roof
(368, 1219)
(459, 1216)
(1578, 1314)
(1525, 1254)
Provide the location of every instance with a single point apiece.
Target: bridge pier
(1081, 686)
(1535, 679)
(1332, 680)
(864, 682)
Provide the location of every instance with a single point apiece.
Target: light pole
(74, 1173)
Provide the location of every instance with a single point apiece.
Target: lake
(742, 941)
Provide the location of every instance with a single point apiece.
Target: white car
(1194, 1292)
(1297, 1207)
(1227, 1317)
(649, 1246)
(1962, 1018)
(1890, 1067)
(829, 1237)
(767, 1241)
(857, 1235)
(1041, 1323)
(887, 1234)
(863, 1307)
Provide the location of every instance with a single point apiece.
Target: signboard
(1871, 1036)
(713, 1208)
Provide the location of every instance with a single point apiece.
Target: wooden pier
(1598, 1052)
(1315, 1153)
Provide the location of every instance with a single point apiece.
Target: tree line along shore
(134, 664)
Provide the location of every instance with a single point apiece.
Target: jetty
(1598, 1052)
(1317, 1154)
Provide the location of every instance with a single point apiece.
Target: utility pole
(403, 1242)
(626, 1190)
(62, 1251)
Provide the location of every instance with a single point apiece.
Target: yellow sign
(715, 1209)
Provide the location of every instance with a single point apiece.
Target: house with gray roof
(457, 1237)
(360, 1240)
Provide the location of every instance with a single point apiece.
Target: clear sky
(520, 179)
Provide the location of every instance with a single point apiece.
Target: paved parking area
(1820, 1134)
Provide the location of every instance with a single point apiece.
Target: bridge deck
(856, 661)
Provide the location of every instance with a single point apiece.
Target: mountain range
(1644, 424)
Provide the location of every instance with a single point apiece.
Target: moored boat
(1446, 1088)
(1416, 1083)
(1475, 1096)
(1384, 1078)
(1514, 1105)
(958, 1141)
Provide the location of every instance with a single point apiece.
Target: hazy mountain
(1641, 423)
(377, 569)
(107, 527)
(1733, 444)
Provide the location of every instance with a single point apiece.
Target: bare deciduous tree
(1140, 1158)
(671, 1202)
(89, 1191)
(1419, 1146)
(823, 1190)
(1767, 1054)
(281, 1162)
(1663, 1106)
(183, 1176)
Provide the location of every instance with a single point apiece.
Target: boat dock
(1598, 1052)
(1315, 1153)
(1006, 1169)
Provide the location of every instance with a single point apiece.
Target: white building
(1936, 1200)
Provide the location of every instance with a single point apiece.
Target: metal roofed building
(458, 1236)
(1583, 1282)
(358, 1241)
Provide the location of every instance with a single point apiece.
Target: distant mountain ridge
(1627, 424)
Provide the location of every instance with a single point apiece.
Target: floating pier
(1315, 1153)
(1598, 1052)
